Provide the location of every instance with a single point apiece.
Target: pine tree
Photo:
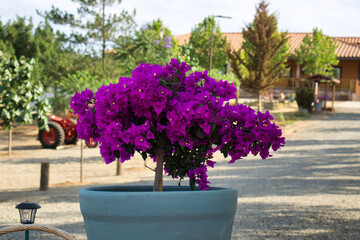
(18, 37)
(47, 55)
(5, 46)
(100, 26)
(265, 52)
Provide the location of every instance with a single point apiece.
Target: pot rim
(147, 189)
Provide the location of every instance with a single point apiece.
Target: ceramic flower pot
(136, 212)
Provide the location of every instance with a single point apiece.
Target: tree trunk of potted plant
(158, 181)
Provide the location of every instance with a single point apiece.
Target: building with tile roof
(348, 69)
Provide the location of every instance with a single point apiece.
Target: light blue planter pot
(135, 212)
(318, 106)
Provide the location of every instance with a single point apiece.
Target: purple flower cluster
(186, 116)
(145, 27)
(167, 41)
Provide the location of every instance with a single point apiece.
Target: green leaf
(144, 155)
(199, 132)
(5, 114)
(213, 127)
(16, 98)
(130, 148)
(225, 149)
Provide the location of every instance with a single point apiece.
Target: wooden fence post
(44, 177)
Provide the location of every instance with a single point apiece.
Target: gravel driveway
(308, 190)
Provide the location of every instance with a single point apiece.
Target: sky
(334, 17)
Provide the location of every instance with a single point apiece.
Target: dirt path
(309, 190)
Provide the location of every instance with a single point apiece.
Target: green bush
(305, 97)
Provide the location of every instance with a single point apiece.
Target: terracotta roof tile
(234, 39)
(348, 47)
(183, 38)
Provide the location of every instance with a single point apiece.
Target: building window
(337, 72)
(287, 73)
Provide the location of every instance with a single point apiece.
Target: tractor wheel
(72, 139)
(91, 144)
(54, 137)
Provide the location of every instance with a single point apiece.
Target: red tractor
(61, 130)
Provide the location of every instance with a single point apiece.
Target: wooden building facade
(347, 71)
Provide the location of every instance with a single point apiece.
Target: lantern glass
(27, 216)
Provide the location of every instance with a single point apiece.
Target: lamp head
(27, 212)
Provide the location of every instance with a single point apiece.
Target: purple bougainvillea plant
(177, 120)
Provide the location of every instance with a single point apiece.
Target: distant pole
(212, 41)
(326, 91)
(81, 160)
(333, 98)
(211, 49)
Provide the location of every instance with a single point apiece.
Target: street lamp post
(212, 41)
(27, 212)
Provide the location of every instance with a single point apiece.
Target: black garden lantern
(27, 212)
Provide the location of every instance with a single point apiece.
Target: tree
(265, 54)
(100, 26)
(153, 44)
(20, 95)
(200, 41)
(317, 53)
(53, 61)
(47, 54)
(5, 46)
(18, 37)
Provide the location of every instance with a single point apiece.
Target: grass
(287, 118)
(282, 118)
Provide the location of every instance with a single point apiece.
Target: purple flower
(167, 41)
(145, 27)
(201, 177)
(80, 102)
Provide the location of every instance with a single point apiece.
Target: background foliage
(263, 54)
(200, 42)
(317, 54)
(19, 94)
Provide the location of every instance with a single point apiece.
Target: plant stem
(158, 182)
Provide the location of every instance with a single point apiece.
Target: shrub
(305, 97)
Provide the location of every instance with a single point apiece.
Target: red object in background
(61, 130)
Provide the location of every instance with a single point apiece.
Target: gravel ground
(308, 190)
